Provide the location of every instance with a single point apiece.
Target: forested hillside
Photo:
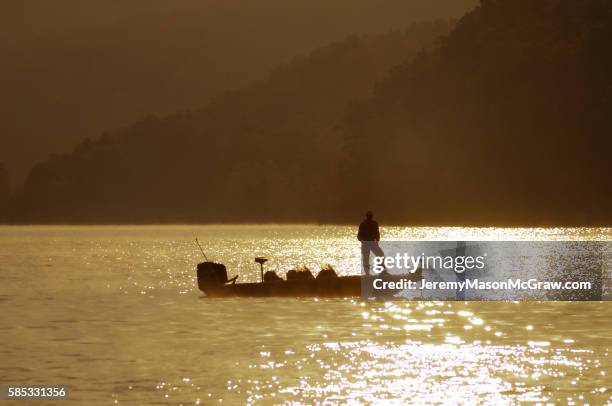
(269, 152)
(71, 69)
(507, 122)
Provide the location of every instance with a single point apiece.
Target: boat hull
(343, 286)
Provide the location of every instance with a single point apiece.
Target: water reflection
(114, 313)
(423, 353)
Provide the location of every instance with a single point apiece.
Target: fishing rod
(201, 250)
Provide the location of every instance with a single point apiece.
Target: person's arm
(377, 233)
(360, 232)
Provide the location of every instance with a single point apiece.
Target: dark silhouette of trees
(505, 121)
(81, 67)
(269, 152)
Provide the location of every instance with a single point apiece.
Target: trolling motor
(261, 261)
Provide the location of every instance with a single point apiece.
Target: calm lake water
(115, 313)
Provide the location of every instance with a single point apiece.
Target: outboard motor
(211, 275)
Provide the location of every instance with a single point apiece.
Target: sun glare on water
(122, 304)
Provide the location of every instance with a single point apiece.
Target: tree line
(502, 121)
(268, 152)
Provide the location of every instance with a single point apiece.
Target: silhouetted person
(369, 235)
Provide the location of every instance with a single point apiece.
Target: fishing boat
(213, 281)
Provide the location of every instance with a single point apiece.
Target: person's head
(369, 214)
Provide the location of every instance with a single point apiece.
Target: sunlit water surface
(114, 312)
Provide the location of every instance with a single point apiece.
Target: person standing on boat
(369, 235)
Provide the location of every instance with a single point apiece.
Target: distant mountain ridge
(246, 146)
(505, 121)
(83, 67)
